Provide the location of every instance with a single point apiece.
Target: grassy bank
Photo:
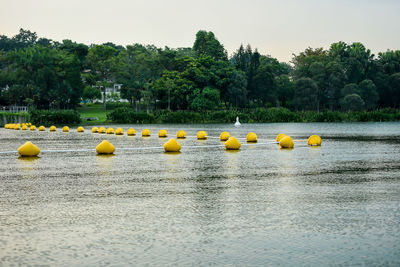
(93, 112)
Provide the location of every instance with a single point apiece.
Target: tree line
(47, 74)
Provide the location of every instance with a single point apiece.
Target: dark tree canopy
(43, 73)
(206, 44)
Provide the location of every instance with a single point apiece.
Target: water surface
(338, 204)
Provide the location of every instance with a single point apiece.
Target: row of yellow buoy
(201, 135)
(105, 147)
(131, 132)
(18, 126)
(26, 126)
(284, 140)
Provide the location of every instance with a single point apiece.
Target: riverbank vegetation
(345, 82)
(257, 115)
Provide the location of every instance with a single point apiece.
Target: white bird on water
(237, 123)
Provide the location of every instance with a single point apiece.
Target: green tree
(394, 85)
(318, 74)
(91, 94)
(358, 62)
(49, 76)
(206, 44)
(173, 90)
(285, 90)
(305, 94)
(369, 94)
(236, 91)
(336, 79)
(352, 102)
(349, 89)
(304, 60)
(113, 97)
(264, 86)
(100, 60)
(207, 99)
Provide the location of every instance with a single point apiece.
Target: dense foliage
(10, 117)
(45, 74)
(57, 117)
(128, 115)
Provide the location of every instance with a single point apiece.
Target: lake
(338, 204)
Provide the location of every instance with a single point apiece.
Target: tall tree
(305, 94)
(206, 44)
(369, 94)
(100, 60)
(264, 86)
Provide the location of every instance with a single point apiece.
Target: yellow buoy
(314, 140)
(42, 128)
(232, 144)
(279, 137)
(181, 134)
(119, 131)
(101, 130)
(17, 127)
(146, 132)
(24, 127)
(80, 129)
(286, 142)
(251, 137)
(131, 132)
(224, 136)
(110, 130)
(202, 135)
(28, 150)
(32, 128)
(105, 147)
(65, 129)
(95, 129)
(162, 133)
(172, 146)
(53, 128)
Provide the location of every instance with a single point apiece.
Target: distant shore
(95, 115)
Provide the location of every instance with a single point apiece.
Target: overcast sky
(277, 28)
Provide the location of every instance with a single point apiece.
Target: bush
(128, 115)
(179, 117)
(9, 117)
(58, 117)
(115, 105)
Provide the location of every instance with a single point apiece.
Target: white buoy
(237, 123)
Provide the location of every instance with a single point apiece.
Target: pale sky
(276, 28)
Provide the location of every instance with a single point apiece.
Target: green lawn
(91, 112)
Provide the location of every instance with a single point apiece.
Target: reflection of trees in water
(28, 167)
(172, 166)
(104, 164)
(231, 163)
(28, 173)
(285, 160)
(214, 178)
